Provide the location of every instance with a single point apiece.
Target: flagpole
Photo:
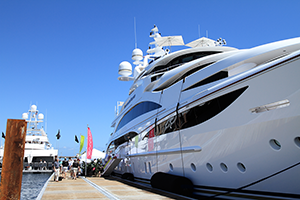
(57, 141)
(79, 145)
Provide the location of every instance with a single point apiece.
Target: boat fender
(172, 183)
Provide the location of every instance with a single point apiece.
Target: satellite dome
(25, 116)
(33, 108)
(137, 54)
(125, 68)
(41, 116)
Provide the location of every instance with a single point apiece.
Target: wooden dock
(101, 188)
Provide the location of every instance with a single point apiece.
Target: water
(32, 185)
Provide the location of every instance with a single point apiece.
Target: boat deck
(101, 188)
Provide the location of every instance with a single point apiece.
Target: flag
(89, 150)
(3, 135)
(58, 134)
(76, 139)
(81, 142)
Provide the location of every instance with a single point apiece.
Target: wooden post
(12, 168)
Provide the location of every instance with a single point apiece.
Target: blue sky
(63, 55)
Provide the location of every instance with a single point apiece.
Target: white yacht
(211, 120)
(39, 154)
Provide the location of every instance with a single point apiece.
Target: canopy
(201, 42)
(95, 155)
(169, 41)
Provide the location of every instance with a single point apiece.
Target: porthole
(297, 141)
(224, 167)
(193, 167)
(275, 144)
(171, 167)
(241, 167)
(209, 167)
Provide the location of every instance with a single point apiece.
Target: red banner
(89, 144)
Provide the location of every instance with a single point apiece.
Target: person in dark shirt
(75, 168)
(65, 165)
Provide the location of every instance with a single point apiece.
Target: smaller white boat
(39, 153)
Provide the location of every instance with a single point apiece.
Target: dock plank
(125, 191)
(81, 190)
(71, 189)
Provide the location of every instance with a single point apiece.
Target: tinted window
(184, 76)
(124, 138)
(198, 114)
(136, 111)
(179, 61)
(218, 76)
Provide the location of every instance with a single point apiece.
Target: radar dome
(125, 68)
(25, 116)
(137, 54)
(41, 116)
(33, 108)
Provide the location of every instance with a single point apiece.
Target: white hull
(237, 153)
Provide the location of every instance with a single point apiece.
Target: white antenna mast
(46, 122)
(135, 33)
(207, 33)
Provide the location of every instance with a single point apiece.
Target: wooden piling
(11, 176)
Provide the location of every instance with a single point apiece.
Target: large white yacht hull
(235, 154)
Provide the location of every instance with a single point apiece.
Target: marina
(150, 100)
(187, 127)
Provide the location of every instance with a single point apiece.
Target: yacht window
(187, 59)
(186, 74)
(156, 77)
(179, 61)
(137, 111)
(218, 76)
(124, 138)
(195, 70)
(198, 114)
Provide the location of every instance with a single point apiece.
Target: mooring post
(12, 168)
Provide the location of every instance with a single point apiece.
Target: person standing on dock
(75, 168)
(65, 166)
(70, 167)
(41, 165)
(56, 169)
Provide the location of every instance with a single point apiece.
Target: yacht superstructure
(222, 120)
(39, 153)
(38, 150)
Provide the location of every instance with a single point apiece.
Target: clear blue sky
(63, 55)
